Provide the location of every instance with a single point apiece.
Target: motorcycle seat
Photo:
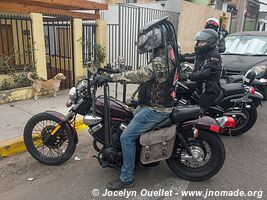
(232, 88)
(184, 113)
(234, 78)
(166, 123)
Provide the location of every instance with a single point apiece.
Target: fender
(256, 96)
(202, 123)
(61, 117)
(227, 100)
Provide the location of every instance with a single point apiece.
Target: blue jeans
(143, 121)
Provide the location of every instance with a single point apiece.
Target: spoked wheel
(208, 156)
(245, 121)
(51, 151)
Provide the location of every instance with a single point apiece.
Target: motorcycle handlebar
(108, 70)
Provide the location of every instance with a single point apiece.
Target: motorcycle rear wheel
(245, 125)
(55, 152)
(213, 153)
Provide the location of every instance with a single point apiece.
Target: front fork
(65, 120)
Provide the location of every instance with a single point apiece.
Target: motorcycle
(258, 84)
(239, 100)
(197, 153)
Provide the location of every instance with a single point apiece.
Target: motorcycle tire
(33, 143)
(252, 118)
(206, 171)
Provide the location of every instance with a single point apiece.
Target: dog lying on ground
(50, 84)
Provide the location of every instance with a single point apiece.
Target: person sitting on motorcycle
(208, 68)
(211, 23)
(156, 82)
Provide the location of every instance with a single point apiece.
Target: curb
(15, 146)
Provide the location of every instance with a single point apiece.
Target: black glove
(183, 77)
(192, 77)
(100, 80)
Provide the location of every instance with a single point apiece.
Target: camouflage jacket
(157, 70)
(160, 73)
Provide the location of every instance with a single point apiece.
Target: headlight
(73, 93)
(82, 85)
(260, 70)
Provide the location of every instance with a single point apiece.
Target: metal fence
(113, 42)
(16, 43)
(58, 46)
(88, 42)
(131, 19)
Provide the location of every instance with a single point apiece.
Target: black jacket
(207, 72)
(221, 43)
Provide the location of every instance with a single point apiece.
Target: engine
(109, 156)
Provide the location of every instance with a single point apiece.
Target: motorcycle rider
(156, 82)
(208, 66)
(211, 23)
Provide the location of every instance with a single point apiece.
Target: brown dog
(53, 83)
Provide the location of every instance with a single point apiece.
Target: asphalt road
(245, 169)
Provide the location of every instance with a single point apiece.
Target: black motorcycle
(239, 100)
(258, 84)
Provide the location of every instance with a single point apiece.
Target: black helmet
(210, 37)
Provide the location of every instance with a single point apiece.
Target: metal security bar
(113, 42)
(89, 41)
(58, 46)
(16, 43)
(131, 19)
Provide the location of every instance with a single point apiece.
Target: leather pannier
(157, 144)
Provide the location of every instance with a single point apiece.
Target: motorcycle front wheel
(56, 150)
(208, 156)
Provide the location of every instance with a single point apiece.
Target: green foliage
(100, 54)
(97, 54)
(16, 78)
(7, 84)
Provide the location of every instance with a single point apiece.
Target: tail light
(226, 122)
(214, 128)
(249, 89)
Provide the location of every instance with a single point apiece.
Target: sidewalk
(15, 115)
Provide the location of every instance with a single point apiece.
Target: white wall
(111, 15)
(263, 8)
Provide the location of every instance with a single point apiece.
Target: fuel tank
(117, 108)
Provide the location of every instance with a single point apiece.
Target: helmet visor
(202, 36)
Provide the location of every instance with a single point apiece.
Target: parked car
(244, 51)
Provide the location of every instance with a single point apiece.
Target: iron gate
(58, 46)
(16, 42)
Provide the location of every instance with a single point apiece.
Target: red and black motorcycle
(198, 152)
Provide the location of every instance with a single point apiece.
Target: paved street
(244, 169)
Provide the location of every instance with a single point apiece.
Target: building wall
(192, 20)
